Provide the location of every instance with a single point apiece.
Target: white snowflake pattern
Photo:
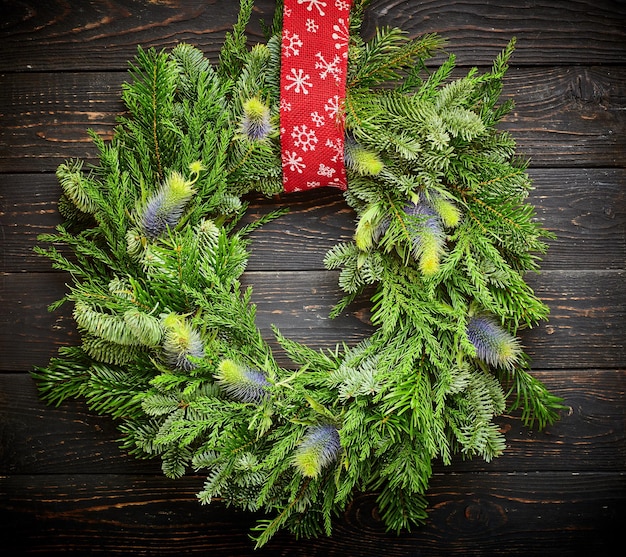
(300, 81)
(293, 161)
(317, 119)
(341, 5)
(342, 36)
(328, 68)
(332, 106)
(311, 26)
(336, 146)
(317, 3)
(291, 44)
(326, 171)
(310, 185)
(285, 106)
(304, 138)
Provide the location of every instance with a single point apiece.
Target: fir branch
(234, 52)
(539, 407)
(401, 512)
(82, 192)
(115, 390)
(388, 54)
(149, 99)
(64, 377)
(269, 527)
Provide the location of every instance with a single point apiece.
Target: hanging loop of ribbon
(314, 61)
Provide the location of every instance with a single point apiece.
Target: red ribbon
(314, 60)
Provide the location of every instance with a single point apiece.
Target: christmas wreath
(155, 247)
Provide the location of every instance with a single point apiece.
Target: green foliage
(443, 233)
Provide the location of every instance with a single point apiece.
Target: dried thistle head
(319, 448)
(494, 346)
(165, 208)
(255, 123)
(241, 382)
(182, 343)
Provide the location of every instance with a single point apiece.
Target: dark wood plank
(585, 208)
(40, 439)
(585, 330)
(531, 514)
(76, 35)
(545, 29)
(67, 487)
(590, 436)
(566, 116)
(587, 320)
(45, 117)
(29, 334)
(28, 207)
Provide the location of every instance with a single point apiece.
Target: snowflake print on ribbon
(291, 44)
(317, 3)
(333, 107)
(333, 68)
(312, 91)
(324, 170)
(293, 161)
(341, 34)
(336, 147)
(304, 138)
(311, 26)
(299, 80)
(317, 119)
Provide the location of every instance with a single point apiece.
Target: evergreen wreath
(444, 236)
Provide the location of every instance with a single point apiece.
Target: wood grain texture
(585, 328)
(589, 437)
(470, 514)
(548, 32)
(66, 487)
(585, 208)
(564, 117)
(56, 35)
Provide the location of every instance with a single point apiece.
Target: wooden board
(584, 207)
(57, 35)
(500, 514)
(65, 484)
(564, 116)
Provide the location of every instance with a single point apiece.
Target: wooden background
(65, 486)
